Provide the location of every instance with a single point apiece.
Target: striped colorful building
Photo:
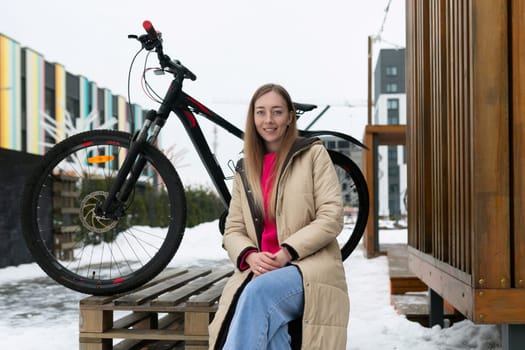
(41, 102)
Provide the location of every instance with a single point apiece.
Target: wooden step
(414, 305)
(402, 280)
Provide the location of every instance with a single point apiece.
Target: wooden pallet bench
(172, 312)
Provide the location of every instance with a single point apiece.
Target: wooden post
(196, 323)
(369, 92)
(95, 321)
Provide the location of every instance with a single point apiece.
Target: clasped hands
(262, 262)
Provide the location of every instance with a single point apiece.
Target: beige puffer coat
(309, 216)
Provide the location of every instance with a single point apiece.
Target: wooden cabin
(465, 63)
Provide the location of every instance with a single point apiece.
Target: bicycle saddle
(303, 107)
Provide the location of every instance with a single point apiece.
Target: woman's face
(271, 117)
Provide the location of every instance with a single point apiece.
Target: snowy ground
(39, 314)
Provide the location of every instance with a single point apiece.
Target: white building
(390, 108)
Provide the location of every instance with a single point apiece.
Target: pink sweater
(269, 241)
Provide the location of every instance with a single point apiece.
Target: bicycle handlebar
(152, 33)
(153, 41)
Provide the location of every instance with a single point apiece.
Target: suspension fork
(124, 182)
(133, 165)
(135, 162)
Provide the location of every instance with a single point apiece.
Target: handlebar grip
(152, 33)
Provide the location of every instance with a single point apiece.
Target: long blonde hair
(254, 148)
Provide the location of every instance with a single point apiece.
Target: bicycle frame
(185, 107)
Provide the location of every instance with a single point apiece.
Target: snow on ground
(39, 314)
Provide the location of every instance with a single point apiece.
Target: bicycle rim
(355, 202)
(90, 254)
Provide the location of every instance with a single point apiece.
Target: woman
(284, 217)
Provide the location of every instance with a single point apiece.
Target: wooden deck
(172, 312)
(402, 280)
(408, 294)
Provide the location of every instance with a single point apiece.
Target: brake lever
(146, 41)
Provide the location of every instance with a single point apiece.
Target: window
(393, 118)
(49, 98)
(343, 144)
(392, 87)
(392, 103)
(330, 144)
(391, 71)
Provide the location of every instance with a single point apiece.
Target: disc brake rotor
(89, 219)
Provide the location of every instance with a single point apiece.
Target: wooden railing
(465, 143)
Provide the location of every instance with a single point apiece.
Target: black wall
(14, 169)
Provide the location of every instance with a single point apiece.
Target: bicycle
(127, 208)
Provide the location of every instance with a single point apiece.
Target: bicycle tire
(355, 200)
(103, 256)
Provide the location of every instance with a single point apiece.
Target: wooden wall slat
(468, 140)
(463, 132)
(518, 138)
(425, 109)
(491, 244)
(412, 220)
(435, 154)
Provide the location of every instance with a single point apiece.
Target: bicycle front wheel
(92, 254)
(355, 201)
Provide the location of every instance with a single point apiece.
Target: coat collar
(299, 145)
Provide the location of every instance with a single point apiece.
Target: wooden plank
(131, 319)
(143, 334)
(149, 293)
(209, 296)
(490, 139)
(368, 167)
(410, 304)
(69, 229)
(96, 300)
(131, 344)
(173, 321)
(390, 134)
(415, 307)
(500, 306)
(176, 296)
(95, 344)
(397, 257)
(518, 138)
(402, 280)
(402, 285)
(93, 301)
(454, 288)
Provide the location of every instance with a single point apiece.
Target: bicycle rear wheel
(88, 253)
(355, 201)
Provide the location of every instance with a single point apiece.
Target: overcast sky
(316, 49)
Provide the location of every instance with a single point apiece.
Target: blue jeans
(264, 309)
